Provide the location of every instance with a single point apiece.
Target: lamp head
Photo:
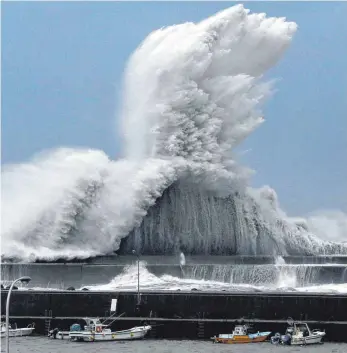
(25, 279)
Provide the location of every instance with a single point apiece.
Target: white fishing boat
(16, 332)
(298, 333)
(94, 330)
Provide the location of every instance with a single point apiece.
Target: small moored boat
(241, 334)
(298, 333)
(94, 330)
(15, 332)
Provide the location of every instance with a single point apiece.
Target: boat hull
(107, 337)
(132, 334)
(18, 332)
(240, 339)
(306, 340)
(254, 338)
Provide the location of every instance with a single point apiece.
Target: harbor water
(44, 345)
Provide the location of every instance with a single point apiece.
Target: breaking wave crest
(192, 93)
(287, 281)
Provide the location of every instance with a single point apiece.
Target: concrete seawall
(250, 271)
(182, 314)
(200, 259)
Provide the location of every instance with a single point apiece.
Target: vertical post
(8, 318)
(138, 279)
(24, 279)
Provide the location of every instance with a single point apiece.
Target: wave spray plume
(192, 93)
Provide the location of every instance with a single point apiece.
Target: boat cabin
(93, 324)
(299, 329)
(239, 330)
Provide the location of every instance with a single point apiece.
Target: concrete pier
(194, 315)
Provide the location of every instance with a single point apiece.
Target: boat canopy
(93, 321)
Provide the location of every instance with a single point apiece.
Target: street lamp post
(26, 280)
(138, 276)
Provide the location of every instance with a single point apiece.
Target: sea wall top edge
(189, 259)
(182, 292)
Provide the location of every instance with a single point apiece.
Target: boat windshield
(240, 330)
(301, 327)
(92, 321)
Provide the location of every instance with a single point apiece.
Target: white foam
(127, 281)
(325, 288)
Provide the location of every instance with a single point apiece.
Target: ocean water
(45, 345)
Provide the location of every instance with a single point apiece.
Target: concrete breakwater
(253, 270)
(181, 314)
(198, 259)
(62, 276)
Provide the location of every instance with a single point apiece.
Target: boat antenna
(114, 319)
(109, 317)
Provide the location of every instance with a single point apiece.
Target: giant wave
(192, 93)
